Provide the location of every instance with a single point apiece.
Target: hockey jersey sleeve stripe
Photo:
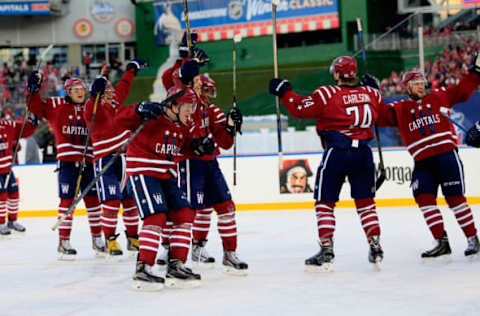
(154, 161)
(428, 138)
(111, 139)
(6, 158)
(220, 120)
(111, 148)
(74, 146)
(154, 169)
(321, 95)
(417, 152)
(71, 153)
(326, 91)
(5, 165)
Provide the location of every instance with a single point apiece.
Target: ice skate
(323, 260)
(145, 280)
(132, 245)
(233, 265)
(4, 230)
(98, 247)
(16, 226)
(375, 254)
(441, 251)
(114, 252)
(162, 259)
(179, 276)
(65, 251)
(473, 247)
(200, 256)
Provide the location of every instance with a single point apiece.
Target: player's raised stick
(236, 39)
(187, 29)
(114, 158)
(275, 74)
(27, 113)
(381, 178)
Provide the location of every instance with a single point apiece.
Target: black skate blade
(444, 259)
(325, 267)
(143, 286)
(175, 283)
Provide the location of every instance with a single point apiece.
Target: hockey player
(107, 138)
(65, 116)
(345, 114)
(430, 140)
(204, 182)
(152, 181)
(9, 131)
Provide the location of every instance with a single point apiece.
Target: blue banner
(24, 8)
(224, 15)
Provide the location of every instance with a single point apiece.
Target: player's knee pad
(455, 200)
(91, 201)
(227, 207)
(64, 205)
(155, 220)
(13, 195)
(182, 216)
(111, 207)
(3, 196)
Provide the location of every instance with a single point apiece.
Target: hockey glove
(370, 81)
(475, 64)
(279, 86)
(200, 56)
(33, 119)
(98, 87)
(183, 48)
(234, 121)
(203, 146)
(473, 136)
(136, 64)
(34, 81)
(149, 110)
(189, 70)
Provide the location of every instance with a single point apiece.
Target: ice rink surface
(275, 245)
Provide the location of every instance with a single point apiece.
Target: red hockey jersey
(9, 131)
(423, 128)
(351, 111)
(107, 136)
(68, 126)
(171, 76)
(156, 150)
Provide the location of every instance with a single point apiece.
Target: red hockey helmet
(72, 82)
(189, 96)
(209, 83)
(346, 66)
(413, 76)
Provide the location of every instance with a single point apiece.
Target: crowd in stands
(444, 70)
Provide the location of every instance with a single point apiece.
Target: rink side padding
(258, 186)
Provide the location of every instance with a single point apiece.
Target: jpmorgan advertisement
(221, 19)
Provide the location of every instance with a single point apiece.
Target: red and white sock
(12, 206)
(227, 225)
(366, 209)
(65, 227)
(463, 214)
(325, 220)
(3, 207)
(110, 217)
(149, 238)
(181, 235)
(94, 213)
(431, 214)
(130, 217)
(201, 224)
(167, 231)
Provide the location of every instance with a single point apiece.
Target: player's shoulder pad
(327, 92)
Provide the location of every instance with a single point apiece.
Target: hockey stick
(27, 113)
(187, 29)
(85, 149)
(275, 74)
(379, 181)
(444, 112)
(113, 159)
(236, 39)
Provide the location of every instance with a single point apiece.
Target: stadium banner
(25, 8)
(221, 19)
